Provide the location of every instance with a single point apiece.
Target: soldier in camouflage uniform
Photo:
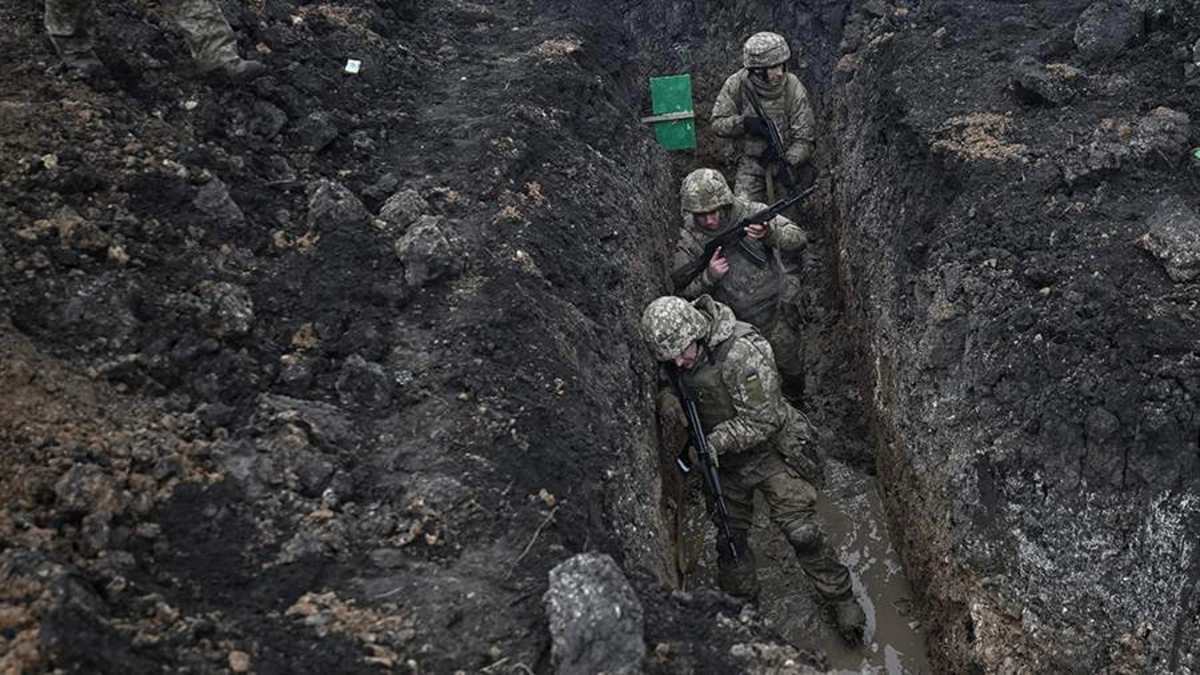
(784, 99)
(209, 38)
(760, 440)
(735, 277)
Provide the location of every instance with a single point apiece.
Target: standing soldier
(748, 277)
(759, 440)
(784, 100)
(208, 35)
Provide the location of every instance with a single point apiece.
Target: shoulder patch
(754, 390)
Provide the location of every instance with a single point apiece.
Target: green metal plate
(672, 94)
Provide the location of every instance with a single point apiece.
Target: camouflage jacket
(790, 108)
(751, 291)
(736, 387)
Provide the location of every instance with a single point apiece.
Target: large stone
(427, 253)
(1174, 238)
(332, 207)
(402, 209)
(1106, 28)
(595, 618)
(232, 309)
(1052, 84)
(364, 383)
(316, 131)
(85, 488)
(214, 200)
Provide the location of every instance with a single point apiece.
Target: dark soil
(325, 372)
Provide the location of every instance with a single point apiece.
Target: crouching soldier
(760, 441)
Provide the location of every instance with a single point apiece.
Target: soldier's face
(687, 360)
(772, 75)
(707, 221)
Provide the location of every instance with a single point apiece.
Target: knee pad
(806, 538)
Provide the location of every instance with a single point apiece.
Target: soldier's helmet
(763, 50)
(704, 190)
(669, 325)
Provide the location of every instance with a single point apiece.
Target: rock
(316, 131)
(1106, 28)
(295, 373)
(1117, 143)
(329, 427)
(1174, 238)
(85, 488)
(595, 618)
(876, 9)
(364, 384)
(265, 123)
(75, 231)
(213, 199)
(332, 206)
(231, 310)
(1054, 84)
(383, 187)
(427, 254)
(239, 661)
(96, 531)
(314, 472)
(402, 209)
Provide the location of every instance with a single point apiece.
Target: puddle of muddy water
(855, 520)
(853, 516)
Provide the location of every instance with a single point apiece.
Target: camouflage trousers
(69, 23)
(751, 181)
(791, 502)
(789, 357)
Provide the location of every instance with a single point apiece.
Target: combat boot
(850, 621)
(739, 577)
(238, 70)
(85, 65)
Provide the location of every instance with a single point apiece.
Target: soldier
(209, 38)
(784, 99)
(760, 441)
(739, 277)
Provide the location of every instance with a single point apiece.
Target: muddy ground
(324, 373)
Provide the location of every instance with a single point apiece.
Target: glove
(754, 126)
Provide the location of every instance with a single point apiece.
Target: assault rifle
(684, 274)
(775, 147)
(708, 464)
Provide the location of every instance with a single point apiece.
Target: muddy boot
(850, 621)
(738, 578)
(240, 70)
(84, 65)
(88, 68)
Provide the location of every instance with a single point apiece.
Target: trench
(406, 434)
(839, 380)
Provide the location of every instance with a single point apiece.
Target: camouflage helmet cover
(669, 325)
(704, 190)
(763, 50)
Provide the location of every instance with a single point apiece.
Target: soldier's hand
(756, 231)
(718, 265)
(753, 126)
